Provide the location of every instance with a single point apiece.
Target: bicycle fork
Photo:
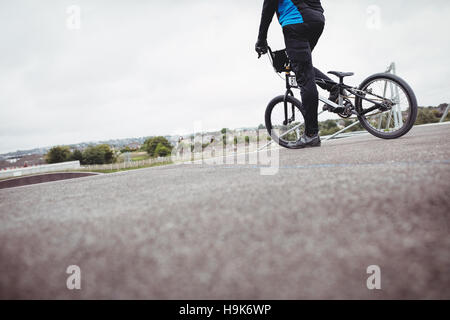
(288, 93)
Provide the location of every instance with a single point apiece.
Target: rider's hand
(261, 47)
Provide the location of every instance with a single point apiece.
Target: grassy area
(135, 156)
(140, 158)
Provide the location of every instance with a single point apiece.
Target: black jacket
(271, 6)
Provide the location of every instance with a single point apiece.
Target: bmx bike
(384, 104)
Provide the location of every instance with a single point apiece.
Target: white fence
(126, 164)
(73, 165)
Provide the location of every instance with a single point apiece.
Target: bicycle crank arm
(330, 103)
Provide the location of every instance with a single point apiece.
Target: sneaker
(334, 97)
(334, 94)
(306, 142)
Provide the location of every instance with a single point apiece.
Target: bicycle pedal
(327, 107)
(333, 109)
(339, 110)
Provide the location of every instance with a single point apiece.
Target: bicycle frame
(291, 83)
(379, 105)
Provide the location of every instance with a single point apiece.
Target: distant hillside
(116, 143)
(425, 115)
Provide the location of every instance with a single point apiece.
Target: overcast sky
(143, 67)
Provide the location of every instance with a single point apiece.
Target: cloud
(139, 68)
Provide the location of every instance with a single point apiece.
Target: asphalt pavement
(227, 232)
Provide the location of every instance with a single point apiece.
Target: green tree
(125, 150)
(101, 154)
(58, 154)
(440, 112)
(76, 155)
(330, 124)
(426, 115)
(247, 140)
(224, 130)
(152, 143)
(348, 122)
(205, 145)
(162, 151)
(328, 127)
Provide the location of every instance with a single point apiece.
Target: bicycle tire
(412, 100)
(268, 116)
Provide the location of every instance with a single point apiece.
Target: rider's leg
(321, 76)
(299, 53)
(314, 37)
(297, 38)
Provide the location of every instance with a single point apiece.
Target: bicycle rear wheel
(400, 113)
(285, 121)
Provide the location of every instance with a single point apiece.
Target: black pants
(300, 41)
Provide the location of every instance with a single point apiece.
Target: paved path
(214, 232)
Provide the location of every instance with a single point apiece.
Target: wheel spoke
(380, 120)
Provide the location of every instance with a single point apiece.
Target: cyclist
(303, 23)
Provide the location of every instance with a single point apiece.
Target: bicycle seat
(341, 74)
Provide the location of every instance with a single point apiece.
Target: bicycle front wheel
(285, 121)
(400, 111)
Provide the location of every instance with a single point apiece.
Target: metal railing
(445, 113)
